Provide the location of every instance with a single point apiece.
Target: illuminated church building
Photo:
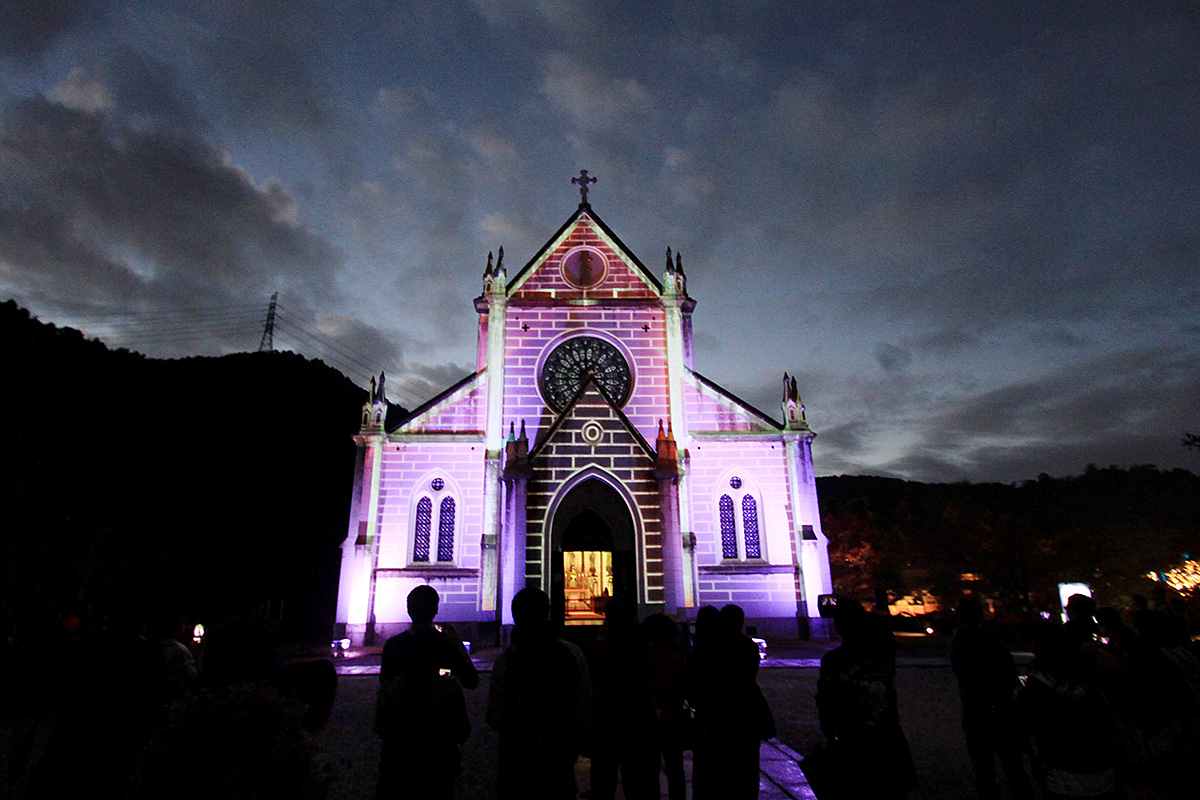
(585, 456)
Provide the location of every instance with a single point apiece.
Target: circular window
(735, 482)
(592, 432)
(584, 268)
(569, 364)
(437, 484)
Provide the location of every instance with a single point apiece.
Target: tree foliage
(1107, 527)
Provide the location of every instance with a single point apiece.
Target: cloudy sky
(972, 229)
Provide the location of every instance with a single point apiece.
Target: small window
(433, 526)
(729, 548)
(738, 512)
(445, 545)
(421, 534)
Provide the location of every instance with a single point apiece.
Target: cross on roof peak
(583, 180)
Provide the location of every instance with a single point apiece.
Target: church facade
(586, 456)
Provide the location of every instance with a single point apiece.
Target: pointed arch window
(739, 511)
(434, 518)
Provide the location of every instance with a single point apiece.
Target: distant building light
(198, 633)
(968, 576)
(1184, 579)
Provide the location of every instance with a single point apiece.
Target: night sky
(971, 229)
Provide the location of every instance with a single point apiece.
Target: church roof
(734, 403)
(556, 239)
(441, 401)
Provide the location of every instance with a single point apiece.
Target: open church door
(593, 556)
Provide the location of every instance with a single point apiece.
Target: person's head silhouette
(732, 619)
(530, 608)
(423, 605)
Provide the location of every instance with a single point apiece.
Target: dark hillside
(220, 483)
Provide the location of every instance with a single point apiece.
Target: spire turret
(374, 411)
(793, 407)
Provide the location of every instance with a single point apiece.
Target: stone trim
(430, 572)
(746, 568)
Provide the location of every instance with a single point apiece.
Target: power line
(138, 329)
(345, 349)
(346, 352)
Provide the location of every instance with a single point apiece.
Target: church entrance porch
(593, 553)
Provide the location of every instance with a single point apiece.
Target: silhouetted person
(108, 696)
(625, 725)
(666, 686)
(539, 702)
(856, 701)
(731, 715)
(422, 718)
(987, 683)
(1070, 725)
(179, 666)
(1080, 627)
(451, 653)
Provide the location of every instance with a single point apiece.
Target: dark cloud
(1123, 408)
(43, 253)
(892, 358)
(258, 61)
(139, 214)
(28, 28)
(946, 342)
(971, 229)
(258, 55)
(149, 93)
(1058, 336)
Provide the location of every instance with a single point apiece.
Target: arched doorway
(593, 554)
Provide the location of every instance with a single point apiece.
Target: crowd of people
(1106, 710)
(630, 701)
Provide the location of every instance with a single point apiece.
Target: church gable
(592, 435)
(585, 259)
(711, 408)
(592, 432)
(459, 409)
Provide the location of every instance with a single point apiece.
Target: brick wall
(545, 282)
(620, 455)
(407, 468)
(758, 463)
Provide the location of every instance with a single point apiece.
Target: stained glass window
(421, 531)
(436, 484)
(728, 528)
(750, 526)
(445, 543)
(735, 482)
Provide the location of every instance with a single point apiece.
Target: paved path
(349, 751)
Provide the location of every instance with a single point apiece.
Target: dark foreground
(929, 710)
(348, 751)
